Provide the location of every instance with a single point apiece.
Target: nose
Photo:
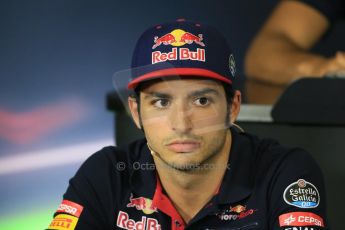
(180, 118)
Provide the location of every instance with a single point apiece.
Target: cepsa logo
(70, 208)
(300, 219)
(178, 38)
(123, 221)
(236, 212)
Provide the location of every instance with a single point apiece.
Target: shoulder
(269, 154)
(112, 157)
(288, 177)
(278, 166)
(281, 157)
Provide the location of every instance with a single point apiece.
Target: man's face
(185, 121)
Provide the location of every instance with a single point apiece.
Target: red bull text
(179, 54)
(123, 221)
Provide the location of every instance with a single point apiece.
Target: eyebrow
(203, 92)
(157, 94)
(192, 94)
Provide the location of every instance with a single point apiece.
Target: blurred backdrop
(57, 58)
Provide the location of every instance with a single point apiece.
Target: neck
(183, 187)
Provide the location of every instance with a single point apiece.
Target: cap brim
(190, 72)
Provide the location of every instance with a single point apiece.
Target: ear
(133, 107)
(235, 106)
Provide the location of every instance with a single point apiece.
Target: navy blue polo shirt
(266, 186)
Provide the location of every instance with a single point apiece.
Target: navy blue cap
(182, 48)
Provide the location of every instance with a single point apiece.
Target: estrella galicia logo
(302, 194)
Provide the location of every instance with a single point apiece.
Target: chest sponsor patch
(123, 221)
(63, 222)
(302, 194)
(235, 212)
(300, 219)
(142, 203)
(70, 208)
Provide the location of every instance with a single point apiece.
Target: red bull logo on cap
(142, 203)
(178, 38)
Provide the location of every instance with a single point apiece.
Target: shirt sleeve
(85, 204)
(297, 194)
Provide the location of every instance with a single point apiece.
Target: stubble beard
(214, 150)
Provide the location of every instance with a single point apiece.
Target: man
(280, 53)
(192, 170)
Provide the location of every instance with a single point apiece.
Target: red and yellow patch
(63, 222)
(70, 208)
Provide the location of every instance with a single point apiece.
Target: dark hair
(229, 92)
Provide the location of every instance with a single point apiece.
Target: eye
(202, 101)
(161, 103)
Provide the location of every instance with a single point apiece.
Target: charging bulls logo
(167, 39)
(237, 208)
(178, 37)
(142, 203)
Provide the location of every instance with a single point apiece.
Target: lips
(183, 146)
